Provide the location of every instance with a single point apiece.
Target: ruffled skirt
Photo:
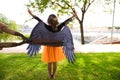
(52, 54)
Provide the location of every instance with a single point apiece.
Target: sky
(17, 11)
(14, 9)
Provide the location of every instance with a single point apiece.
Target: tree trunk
(82, 33)
(81, 30)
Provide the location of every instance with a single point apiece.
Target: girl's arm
(66, 22)
(69, 19)
(34, 16)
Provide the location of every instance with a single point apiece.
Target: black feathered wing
(37, 32)
(64, 35)
(68, 45)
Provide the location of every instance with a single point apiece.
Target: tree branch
(89, 5)
(68, 4)
(62, 6)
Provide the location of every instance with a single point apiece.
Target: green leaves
(39, 5)
(12, 25)
(60, 6)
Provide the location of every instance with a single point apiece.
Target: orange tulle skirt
(52, 54)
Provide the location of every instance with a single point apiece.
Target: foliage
(61, 6)
(12, 25)
(64, 7)
(107, 5)
(89, 66)
(27, 35)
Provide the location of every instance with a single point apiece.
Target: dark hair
(53, 21)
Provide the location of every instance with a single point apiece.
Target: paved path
(78, 48)
(99, 48)
(18, 49)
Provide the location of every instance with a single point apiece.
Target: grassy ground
(92, 66)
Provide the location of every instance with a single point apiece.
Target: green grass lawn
(92, 66)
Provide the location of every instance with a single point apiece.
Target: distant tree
(107, 5)
(64, 7)
(12, 25)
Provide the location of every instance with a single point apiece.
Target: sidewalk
(18, 49)
(99, 48)
(78, 48)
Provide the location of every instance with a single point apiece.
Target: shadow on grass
(87, 67)
(21, 67)
(100, 66)
(92, 67)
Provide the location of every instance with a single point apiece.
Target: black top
(60, 26)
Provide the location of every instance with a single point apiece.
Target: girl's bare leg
(54, 69)
(50, 69)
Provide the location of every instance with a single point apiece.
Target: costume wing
(36, 33)
(64, 35)
(68, 45)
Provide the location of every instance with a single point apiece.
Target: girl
(52, 54)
